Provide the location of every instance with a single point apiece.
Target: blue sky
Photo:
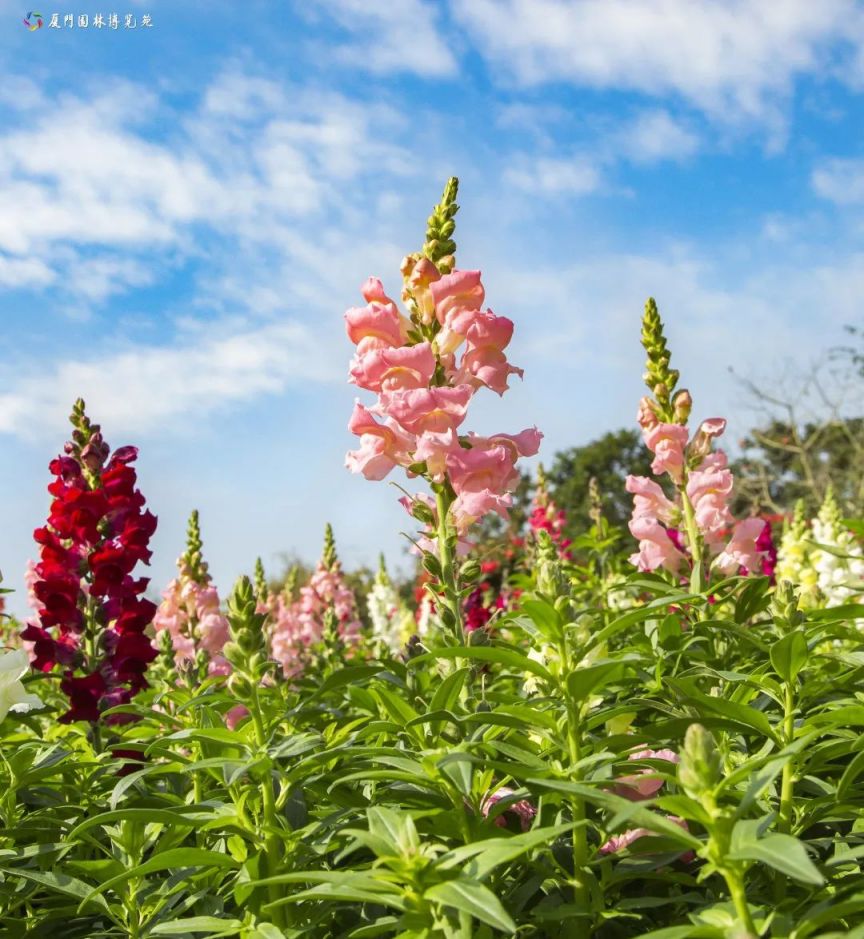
(187, 210)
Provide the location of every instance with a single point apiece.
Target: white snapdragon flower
(14, 666)
(840, 575)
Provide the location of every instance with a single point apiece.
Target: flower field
(554, 731)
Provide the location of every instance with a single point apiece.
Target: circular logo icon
(33, 21)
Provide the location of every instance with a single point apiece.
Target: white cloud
(25, 272)
(143, 388)
(254, 158)
(654, 136)
(840, 181)
(649, 137)
(554, 176)
(735, 59)
(391, 37)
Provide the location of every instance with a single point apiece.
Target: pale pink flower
(394, 369)
(625, 839)
(525, 443)
(458, 297)
(191, 613)
(422, 274)
(372, 291)
(649, 500)
(219, 665)
(376, 326)
(484, 361)
(433, 449)
(235, 715)
(646, 783)
(655, 546)
(700, 445)
(646, 416)
(742, 550)
(298, 625)
(709, 489)
(420, 409)
(482, 480)
(667, 442)
(382, 446)
(521, 808)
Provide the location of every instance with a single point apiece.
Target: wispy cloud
(840, 181)
(254, 157)
(575, 176)
(390, 37)
(142, 389)
(735, 60)
(651, 136)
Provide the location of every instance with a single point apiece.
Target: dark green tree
(609, 459)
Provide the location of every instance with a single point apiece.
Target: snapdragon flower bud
(700, 768)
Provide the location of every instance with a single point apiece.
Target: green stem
(694, 540)
(449, 585)
(787, 787)
(272, 842)
(581, 893)
(784, 822)
(735, 884)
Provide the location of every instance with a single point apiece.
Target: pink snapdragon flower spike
(424, 370)
(299, 626)
(190, 610)
(691, 527)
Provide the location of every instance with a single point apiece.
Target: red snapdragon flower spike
(96, 534)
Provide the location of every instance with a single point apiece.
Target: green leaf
(61, 883)
(789, 655)
(782, 852)
(395, 828)
(172, 859)
(447, 693)
(745, 717)
(145, 817)
(501, 656)
(585, 681)
(211, 925)
(467, 896)
(480, 858)
(545, 617)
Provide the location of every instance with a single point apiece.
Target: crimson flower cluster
(92, 617)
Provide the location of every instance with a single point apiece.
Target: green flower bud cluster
(784, 607)
(595, 501)
(440, 246)
(551, 579)
(701, 766)
(290, 588)
(246, 651)
(164, 667)
(87, 445)
(192, 560)
(659, 377)
(261, 589)
(329, 558)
